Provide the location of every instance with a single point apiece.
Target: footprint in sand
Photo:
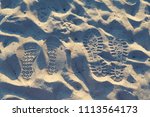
(56, 55)
(118, 49)
(30, 52)
(117, 72)
(99, 69)
(94, 46)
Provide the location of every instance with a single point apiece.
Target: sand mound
(74, 49)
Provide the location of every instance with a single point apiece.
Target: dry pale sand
(74, 49)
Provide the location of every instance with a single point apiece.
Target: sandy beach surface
(74, 49)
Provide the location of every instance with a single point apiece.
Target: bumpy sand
(74, 49)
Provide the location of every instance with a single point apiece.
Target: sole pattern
(94, 46)
(118, 49)
(52, 61)
(117, 72)
(31, 51)
(56, 55)
(99, 69)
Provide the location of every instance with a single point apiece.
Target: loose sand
(74, 49)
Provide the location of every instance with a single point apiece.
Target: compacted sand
(74, 49)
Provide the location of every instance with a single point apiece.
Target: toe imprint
(118, 49)
(94, 46)
(99, 68)
(117, 72)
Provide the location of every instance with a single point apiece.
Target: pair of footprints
(56, 56)
(29, 52)
(118, 49)
(94, 46)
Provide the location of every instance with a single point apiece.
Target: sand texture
(74, 49)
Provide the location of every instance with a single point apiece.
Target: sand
(74, 49)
